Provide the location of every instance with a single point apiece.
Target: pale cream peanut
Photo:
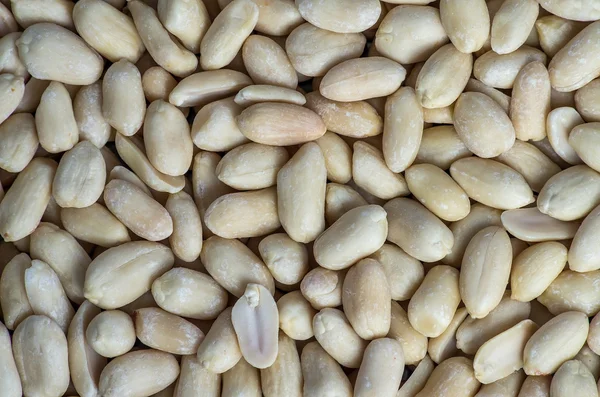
(340, 16)
(243, 380)
(441, 146)
(403, 272)
(583, 140)
(322, 375)
(501, 70)
(559, 124)
(94, 224)
(295, 316)
(417, 380)
(454, 376)
(87, 109)
(219, 351)
(529, 224)
(555, 32)
(205, 87)
(267, 62)
(214, 127)
(536, 386)
(444, 346)
(573, 291)
(414, 344)
(253, 94)
(323, 287)
(512, 24)
(340, 199)
(110, 333)
(28, 13)
(14, 302)
(18, 142)
(157, 83)
(510, 385)
(286, 259)
(586, 101)
(370, 172)
(583, 251)
(466, 22)
(381, 369)
(55, 119)
(194, 377)
(573, 377)
(186, 20)
(284, 377)
(501, 98)
(12, 89)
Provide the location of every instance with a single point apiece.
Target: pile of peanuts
(309, 198)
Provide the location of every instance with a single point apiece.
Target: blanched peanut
(414, 344)
(573, 377)
(205, 87)
(55, 120)
(509, 385)
(278, 71)
(243, 380)
(322, 374)
(467, 23)
(87, 108)
(370, 172)
(193, 377)
(253, 94)
(452, 377)
(335, 334)
(219, 351)
(512, 24)
(256, 321)
(295, 316)
(10, 383)
(186, 20)
(110, 333)
(501, 70)
(13, 296)
(536, 386)
(284, 377)
(404, 273)
(214, 127)
(323, 287)
(417, 379)
(573, 291)
(340, 16)
(286, 259)
(586, 101)
(19, 139)
(444, 346)
(441, 146)
(381, 370)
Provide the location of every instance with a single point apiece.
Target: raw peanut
(186, 240)
(340, 199)
(466, 22)
(452, 377)
(267, 62)
(226, 35)
(482, 125)
(206, 87)
(340, 16)
(530, 102)
(107, 30)
(280, 124)
(584, 251)
(402, 129)
(322, 375)
(381, 370)
(555, 342)
(167, 140)
(357, 234)
(110, 333)
(417, 379)
(366, 299)
(94, 224)
(535, 268)
(164, 331)
(563, 197)
(28, 13)
(18, 142)
(243, 380)
(583, 140)
(14, 302)
(165, 51)
(7, 20)
(40, 351)
(189, 293)
(233, 265)
(52, 52)
(254, 94)
(12, 89)
(410, 34)
(444, 346)
(485, 270)
(447, 67)
(509, 386)
(323, 287)
(430, 313)
(138, 373)
(157, 84)
(404, 273)
(585, 10)
(9, 56)
(326, 48)
(335, 334)
(593, 338)
(443, 115)
(256, 322)
(587, 103)
(573, 378)
(417, 231)
(244, 214)
(512, 24)
(32, 95)
(87, 109)
(251, 166)
(503, 354)
(362, 78)
(354, 119)
(438, 192)
(491, 183)
(186, 20)
(555, 32)
(559, 124)
(536, 386)
(576, 64)
(194, 378)
(55, 120)
(64, 255)
(414, 344)
(24, 203)
(295, 316)
(590, 359)
(84, 363)
(529, 224)
(284, 377)
(301, 187)
(501, 70)
(123, 101)
(338, 157)
(370, 172)
(441, 146)
(129, 268)
(80, 177)
(140, 213)
(214, 127)
(501, 98)
(573, 291)
(219, 351)
(473, 333)
(286, 259)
